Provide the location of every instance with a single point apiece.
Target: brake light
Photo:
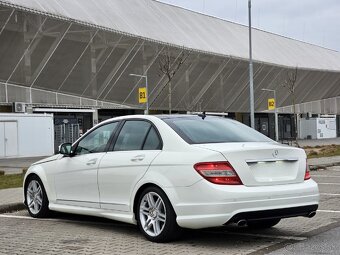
(221, 173)
(307, 174)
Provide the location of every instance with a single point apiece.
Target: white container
(318, 128)
(26, 135)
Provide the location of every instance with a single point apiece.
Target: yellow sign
(271, 104)
(142, 95)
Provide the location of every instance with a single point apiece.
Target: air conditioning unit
(19, 107)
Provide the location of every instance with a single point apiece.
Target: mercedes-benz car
(169, 172)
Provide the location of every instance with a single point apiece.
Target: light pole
(276, 115)
(251, 75)
(147, 90)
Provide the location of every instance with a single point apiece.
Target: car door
(76, 181)
(135, 147)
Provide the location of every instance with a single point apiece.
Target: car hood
(52, 158)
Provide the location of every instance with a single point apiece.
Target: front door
(76, 181)
(137, 145)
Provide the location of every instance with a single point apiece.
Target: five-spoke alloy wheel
(156, 217)
(36, 198)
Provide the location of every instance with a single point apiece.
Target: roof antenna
(202, 115)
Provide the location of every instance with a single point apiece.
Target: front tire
(263, 224)
(36, 198)
(156, 218)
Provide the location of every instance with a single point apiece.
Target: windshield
(195, 130)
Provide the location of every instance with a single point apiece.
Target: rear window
(195, 130)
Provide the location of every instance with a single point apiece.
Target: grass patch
(322, 151)
(11, 181)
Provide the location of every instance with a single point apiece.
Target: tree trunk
(170, 92)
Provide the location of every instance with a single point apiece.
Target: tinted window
(132, 135)
(152, 141)
(97, 140)
(195, 130)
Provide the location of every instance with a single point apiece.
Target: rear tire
(36, 198)
(156, 218)
(263, 224)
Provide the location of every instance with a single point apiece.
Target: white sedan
(170, 172)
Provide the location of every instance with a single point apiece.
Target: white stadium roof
(155, 21)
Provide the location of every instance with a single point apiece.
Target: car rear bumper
(305, 211)
(207, 205)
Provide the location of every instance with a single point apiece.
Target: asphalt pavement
(325, 243)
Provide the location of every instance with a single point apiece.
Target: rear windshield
(195, 130)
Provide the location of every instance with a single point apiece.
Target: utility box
(26, 135)
(318, 128)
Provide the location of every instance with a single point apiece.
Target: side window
(97, 140)
(152, 141)
(132, 135)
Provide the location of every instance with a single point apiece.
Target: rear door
(136, 146)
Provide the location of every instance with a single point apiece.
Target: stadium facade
(75, 57)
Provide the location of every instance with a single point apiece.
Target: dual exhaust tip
(243, 222)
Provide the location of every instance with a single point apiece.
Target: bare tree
(290, 84)
(169, 64)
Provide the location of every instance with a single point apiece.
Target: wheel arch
(139, 192)
(28, 177)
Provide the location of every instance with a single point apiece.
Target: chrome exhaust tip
(241, 223)
(311, 214)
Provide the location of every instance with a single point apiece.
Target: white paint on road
(296, 238)
(328, 211)
(337, 184)
(330, 194)
(329, 176)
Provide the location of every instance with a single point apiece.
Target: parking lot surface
(72, 234)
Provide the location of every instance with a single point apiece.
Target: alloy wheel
(152, 214)
(34, 197)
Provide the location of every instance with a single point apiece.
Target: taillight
(307, 173)
(218, 173)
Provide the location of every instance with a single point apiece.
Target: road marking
(328, 211)
(23, 217)
(296, 238)
(330, 194)
(330, 176)
(337, 184)
(113, 223)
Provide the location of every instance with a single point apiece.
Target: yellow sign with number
(142, 95)
(271, 104)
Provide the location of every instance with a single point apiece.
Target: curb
(321, 166)
(12, 207)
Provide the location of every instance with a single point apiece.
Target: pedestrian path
(11, 198)
(319, 142)
(15, 165)
(324, 160)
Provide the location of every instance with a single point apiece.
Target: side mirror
(65, 149)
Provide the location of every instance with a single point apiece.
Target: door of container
(11, 139)
(2, 139)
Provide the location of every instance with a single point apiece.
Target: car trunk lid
(263, 164)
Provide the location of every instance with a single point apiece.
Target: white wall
(35, 133)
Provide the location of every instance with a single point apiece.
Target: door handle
(138, 158)
(91, 162)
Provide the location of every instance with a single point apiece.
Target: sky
(312, 21)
